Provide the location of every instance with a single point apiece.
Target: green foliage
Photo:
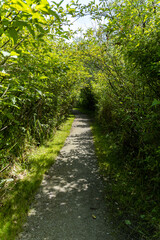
(124, 65)
(18, 195)
(116, 68)
(128, 197)
(38, 74)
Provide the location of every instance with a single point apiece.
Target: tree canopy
(114, 69)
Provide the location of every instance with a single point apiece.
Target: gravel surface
(70, 203)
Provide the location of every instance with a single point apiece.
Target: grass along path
(69, 204)
(17, 195)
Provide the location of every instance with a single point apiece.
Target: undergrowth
(23, 180)
(127, 197)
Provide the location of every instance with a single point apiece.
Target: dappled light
(71, 194)
(111, 72)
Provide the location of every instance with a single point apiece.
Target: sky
(83, 22)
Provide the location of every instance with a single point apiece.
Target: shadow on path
(70, 204)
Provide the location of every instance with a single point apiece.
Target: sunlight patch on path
(70, 203)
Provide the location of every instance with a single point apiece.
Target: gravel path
(70, 203)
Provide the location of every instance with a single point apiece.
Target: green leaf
(58, 4)
(155, 102)
(71, 10)
(43, 77)
(44, 2)
(13, 34)
(14, 54)
(128, 222)
(29, 2)
(20, 23)
(42, 30)
(10, 116)
(53, 13)
(21, 6)
(30, 29)
(40, 93)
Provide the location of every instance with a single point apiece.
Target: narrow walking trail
(70, 202)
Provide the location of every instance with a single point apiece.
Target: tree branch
(5, 168)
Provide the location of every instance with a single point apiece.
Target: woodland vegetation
(113, 71)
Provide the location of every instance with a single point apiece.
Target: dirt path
(70, 204)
